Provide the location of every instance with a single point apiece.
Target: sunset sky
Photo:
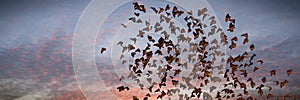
(36, 43)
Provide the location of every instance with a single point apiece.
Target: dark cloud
(36, 46)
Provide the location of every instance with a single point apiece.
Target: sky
(36, 42)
